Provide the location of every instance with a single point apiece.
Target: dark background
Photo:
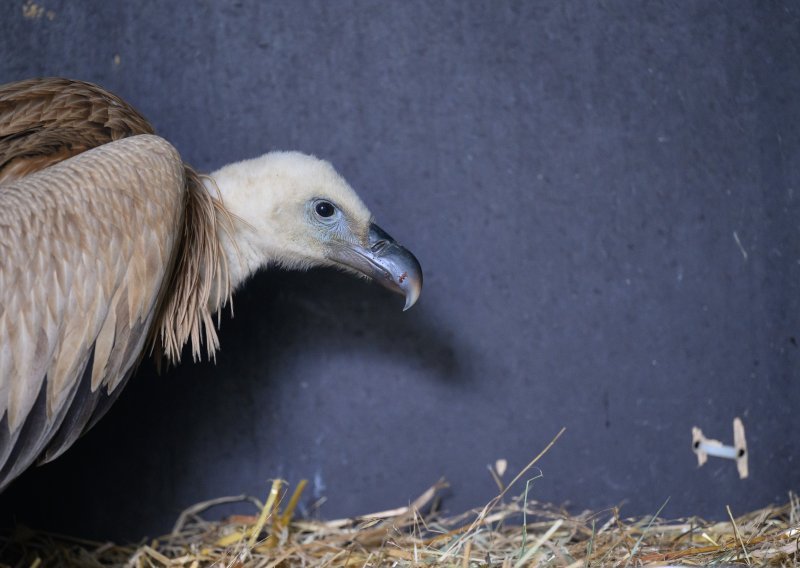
(604, 196)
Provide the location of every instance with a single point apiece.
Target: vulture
(113, 248)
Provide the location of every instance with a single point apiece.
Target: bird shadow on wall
(146, 442)
(299, 313)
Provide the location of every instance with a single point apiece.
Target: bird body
(86, 315)
(110, 244)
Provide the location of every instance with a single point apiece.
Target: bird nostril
(379, 246)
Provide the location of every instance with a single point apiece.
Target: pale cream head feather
(272, 200)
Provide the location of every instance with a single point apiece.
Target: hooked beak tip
(411, 298)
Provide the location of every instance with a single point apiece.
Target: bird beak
(385, 261)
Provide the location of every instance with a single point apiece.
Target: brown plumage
(45, 121)
(110, 243)
(42, 123)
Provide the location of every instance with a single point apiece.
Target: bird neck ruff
(200, 281)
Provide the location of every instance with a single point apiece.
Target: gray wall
(573, 178)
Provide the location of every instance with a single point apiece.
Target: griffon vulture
(111, 246)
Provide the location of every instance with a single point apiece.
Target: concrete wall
(604, 197)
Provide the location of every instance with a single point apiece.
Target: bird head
(296, 211)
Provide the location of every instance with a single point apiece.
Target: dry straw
(510, 532)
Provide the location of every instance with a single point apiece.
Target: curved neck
(241, 257)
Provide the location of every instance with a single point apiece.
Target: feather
(44, 121)
(100, 185)
(108, 243)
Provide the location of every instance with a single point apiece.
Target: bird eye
(324, 208)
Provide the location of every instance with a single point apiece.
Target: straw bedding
(511, 531)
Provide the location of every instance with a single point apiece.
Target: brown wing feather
(86, 248)
(44, 121)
